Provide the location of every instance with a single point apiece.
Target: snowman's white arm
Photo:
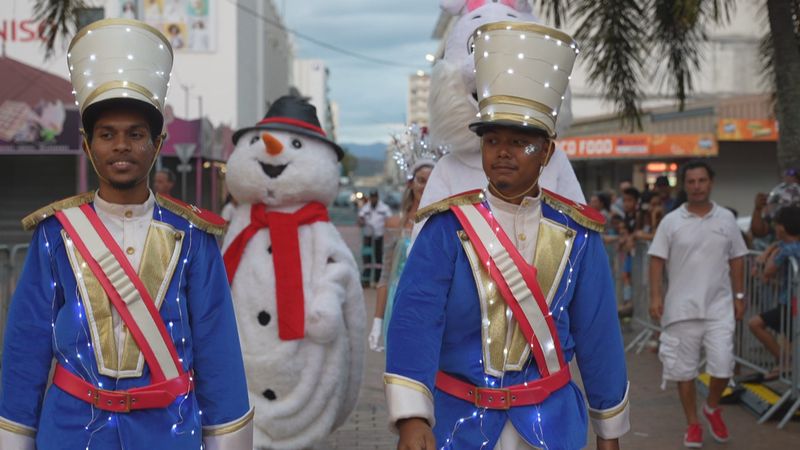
(324, 319)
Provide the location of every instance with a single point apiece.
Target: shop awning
(639, 146)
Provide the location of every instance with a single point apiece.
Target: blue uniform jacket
(436, 325)
(48, 320)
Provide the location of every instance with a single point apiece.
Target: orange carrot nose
(274, 146)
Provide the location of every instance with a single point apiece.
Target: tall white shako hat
(522, 71)
(120, 61)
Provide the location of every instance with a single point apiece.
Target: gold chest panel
(160, 258)
(504, 346)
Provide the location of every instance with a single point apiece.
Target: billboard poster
(46, 126)
(187, 24)
(747, 130)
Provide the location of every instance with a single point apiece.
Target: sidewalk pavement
(657, 421)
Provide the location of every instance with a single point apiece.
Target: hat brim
(276, 126)
(92, 113)
(482, 126)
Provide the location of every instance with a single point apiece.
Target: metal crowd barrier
(749, 352)
(11, 260)
(640, 280)
(763, 296)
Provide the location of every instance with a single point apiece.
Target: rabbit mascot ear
(458, 7)
(453, 7)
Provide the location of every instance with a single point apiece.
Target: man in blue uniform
(504, 286)
(124, 289)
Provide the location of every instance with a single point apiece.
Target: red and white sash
(516, 282)
(124, 288)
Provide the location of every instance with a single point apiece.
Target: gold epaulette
(584, 215)
(201, 218)
(31, 220)
(464, 198)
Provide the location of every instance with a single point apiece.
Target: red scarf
(285, 258)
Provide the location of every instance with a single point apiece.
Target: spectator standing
(163, 182)
(602, 203)
(766, 206)
(372, 218)
(702, 249)
(626, 243)
(664, 191)
(616, 206)
(776, 260)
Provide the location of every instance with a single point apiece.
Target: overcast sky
(371, 97)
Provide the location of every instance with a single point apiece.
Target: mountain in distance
(375, 151)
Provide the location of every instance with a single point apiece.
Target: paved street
(656, 417)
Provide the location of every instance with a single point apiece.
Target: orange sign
(747, 130)
(639, 146)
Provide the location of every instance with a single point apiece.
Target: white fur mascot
(453, 105)
(295, 283)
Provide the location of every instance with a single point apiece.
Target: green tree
(630, 40)
(622, 39)
(349, 163)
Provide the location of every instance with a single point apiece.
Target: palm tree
(620, 37)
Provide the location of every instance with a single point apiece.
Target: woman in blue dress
(397, 242)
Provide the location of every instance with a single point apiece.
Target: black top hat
(294, 114)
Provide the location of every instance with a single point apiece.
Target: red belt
(531, 393)
(158, 395)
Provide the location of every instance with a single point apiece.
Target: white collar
(686, 213)
(133, 211)
(512, 208)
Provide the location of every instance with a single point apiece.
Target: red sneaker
(694, 436)
(715, 423)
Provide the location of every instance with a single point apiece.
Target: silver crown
(411, 150)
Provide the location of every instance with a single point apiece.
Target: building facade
(244, 42)
(419, 85)
(311, 79)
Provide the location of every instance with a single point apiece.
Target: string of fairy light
(495, 382)
(556, 305)
(82, 368)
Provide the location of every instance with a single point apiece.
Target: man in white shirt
(372, 217)
(702, 249)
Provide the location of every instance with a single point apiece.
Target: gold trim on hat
(126, 22)
(519, 118)
(105, 87)
(526, 26)
(516, 101)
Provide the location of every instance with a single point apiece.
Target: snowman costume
(453, 105)
(295, 283)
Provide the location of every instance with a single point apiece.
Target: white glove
(375, 335)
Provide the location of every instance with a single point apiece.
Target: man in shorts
(703, 251)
